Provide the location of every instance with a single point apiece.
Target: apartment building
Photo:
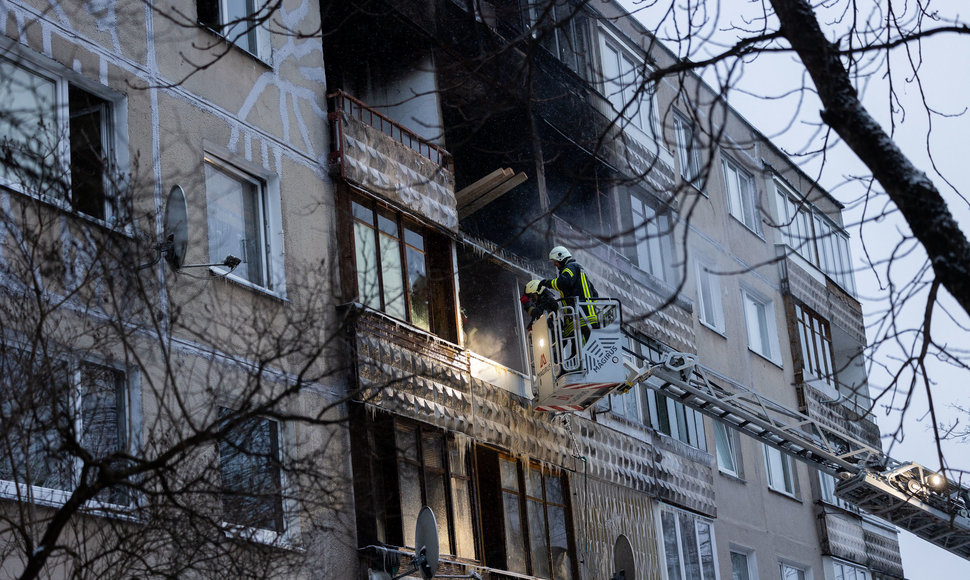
(331, 339)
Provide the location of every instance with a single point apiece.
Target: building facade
(331, 338)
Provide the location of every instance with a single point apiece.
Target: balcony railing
(340, 101)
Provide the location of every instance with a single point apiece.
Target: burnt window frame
(493, 491)
(377, 463)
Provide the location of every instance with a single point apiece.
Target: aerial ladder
(577, 360)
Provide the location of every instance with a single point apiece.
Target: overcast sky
(946, 83)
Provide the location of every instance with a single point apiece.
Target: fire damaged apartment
(433, 288)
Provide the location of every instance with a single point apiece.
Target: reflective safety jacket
(573, 283)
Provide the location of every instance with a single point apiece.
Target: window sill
(62, 207)
(785, 494)
(56, 498)
(220, 272)
(280, 540)
(718, 331)
(732, 477)
(753, 231)
(776, 363)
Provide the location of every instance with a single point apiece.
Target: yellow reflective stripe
(591, 313)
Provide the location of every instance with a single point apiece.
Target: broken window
(561, 27)
(532, 532)
(401, 466)
(815, 339)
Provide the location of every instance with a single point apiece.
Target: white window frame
(785, 482)
(621, 86)
(238, 34)
(727, 443)
(677, 513)
(762, 333)
(710, 307)
(790, 571)
(114, 131)
(262, 535)
(688, 429)
(842, 570)
(270, 224)
(651, 230)
(742, 194)
(688, 150)
(814, 236)
(750, 561)
(826, 485)
(56, 497)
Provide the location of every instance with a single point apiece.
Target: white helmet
(559, 254)
(532, 287)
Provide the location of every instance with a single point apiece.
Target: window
(780, 471)
(846, 571)
(244, 221)
(401, 466)
(675, 419)
(742, 201)
(827, 491)
(688, 545)
(532, 531)
(625, 88)
(562, 29)
(726, 443)
(37, 401)
(710, 311)
(815, 339)
(791, 572)
(688, 150)
(57, 141)
(239, 21)
(814, 237)
(250, 465)
(394, 259)
(741, 566)
(627, 405)
(759, 319)
(651, 231)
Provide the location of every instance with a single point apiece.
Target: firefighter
(537, 300)
(571, 282)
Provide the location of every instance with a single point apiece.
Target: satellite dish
(426, 544)
(624, 565)
(176, 228)
(176, 237)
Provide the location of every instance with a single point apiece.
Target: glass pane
(368, 288)
(538, 544)
(705, 546)
(103, 428)
(562, 564)
(724, 444)
(239, 27)
(409, 480)
(688, 542)
(533, 483)
(464, 531)
(251, 477)
(33, 402)
(233, 209)
(514, 540)
(510, 479)
(89, 114)
(671, 549)
(739, 566)
(438, 502)
(392, 276)
(28, 128)
(418, 289)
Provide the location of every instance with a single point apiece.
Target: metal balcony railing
(340, 101)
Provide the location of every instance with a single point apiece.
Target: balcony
(370, 150)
